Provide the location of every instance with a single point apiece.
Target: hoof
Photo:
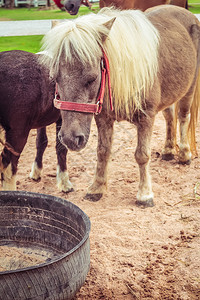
(68, 191)
(168, 156)
(187, 162)
(93, 197)
(144, 204)
(36, 179)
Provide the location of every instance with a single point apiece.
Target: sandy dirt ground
(136, 253)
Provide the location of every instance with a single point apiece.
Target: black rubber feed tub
(50, 231)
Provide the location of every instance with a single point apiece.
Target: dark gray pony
(26, 102)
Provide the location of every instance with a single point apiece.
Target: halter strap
(86, 3)
(89, 107)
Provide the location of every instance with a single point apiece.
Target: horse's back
(175, 22)
(179, 50)
(171, 14)
(24, 86)
(176, 25)
(143, 4)
(12, 62)
(19, 72)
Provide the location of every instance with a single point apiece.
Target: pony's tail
(194, 117)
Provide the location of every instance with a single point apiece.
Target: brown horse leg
(41, 144)
(105, 133)
(63, 182)
(184, 121)
(8, 170)
(14, 145)
(102, 4)
(142, 156)
(170, 142)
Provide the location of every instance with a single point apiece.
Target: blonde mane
(131, 47)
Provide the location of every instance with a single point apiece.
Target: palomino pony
(26, 102)
(72, 6)
(151, 60)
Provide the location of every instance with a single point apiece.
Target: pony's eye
(90, 81)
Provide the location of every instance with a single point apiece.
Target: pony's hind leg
(188, 108)
(41, 144)
(170, 142)
(142, 156)
(105, 133)
(184, 116)
(63, 182)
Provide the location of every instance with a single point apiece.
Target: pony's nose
(79, 140)
(74, 142)
(69, 7)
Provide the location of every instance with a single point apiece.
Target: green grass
(194, 6)
(30, 43)
(195, 9)
(193, 2)
(33, 13)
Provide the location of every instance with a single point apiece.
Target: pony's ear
(54, 23)
(108, 25)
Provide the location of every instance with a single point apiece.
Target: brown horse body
(140, 4)
(26, 95)
(154, 63)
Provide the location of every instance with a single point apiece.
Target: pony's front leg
(13, 146)
(105, 133)
(142, 156)
(170, 142)
(41, 144)
(63, 182)
(8, 170)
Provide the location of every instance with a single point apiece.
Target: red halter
(89, 107)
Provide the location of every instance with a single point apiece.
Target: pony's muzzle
(71, 7)
(74, 142)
